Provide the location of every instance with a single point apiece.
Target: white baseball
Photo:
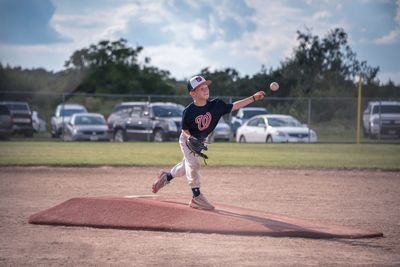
(274, 86)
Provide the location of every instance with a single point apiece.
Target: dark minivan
(21, 117)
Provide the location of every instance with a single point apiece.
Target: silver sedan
(86, 127)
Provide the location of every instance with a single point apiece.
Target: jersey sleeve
(223, 107)
(185, 125)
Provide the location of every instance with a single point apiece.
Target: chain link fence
(334, 119)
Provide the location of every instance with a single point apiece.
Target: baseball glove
(197, 146)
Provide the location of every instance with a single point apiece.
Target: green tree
(224, 81)
(325, 67)
(112, 67)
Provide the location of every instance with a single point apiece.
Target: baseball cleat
(160, 182)
(200, 202)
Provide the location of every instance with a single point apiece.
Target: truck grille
(93, 132)
(299, 135)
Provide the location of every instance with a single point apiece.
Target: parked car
(275, 129)
(86, 127)
(151, 122)
(21, 117)
(243, 115)
(62, 116)
(39, 125)
(6, 127)
(222, 131)
(123, 110)
(382, 118)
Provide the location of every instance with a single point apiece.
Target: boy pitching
(199, 120)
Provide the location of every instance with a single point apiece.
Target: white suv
(382, 118)
(62, 116)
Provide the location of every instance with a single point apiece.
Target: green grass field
(336, 156)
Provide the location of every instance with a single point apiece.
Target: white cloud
(99, 24)
(393, 36)
(181, 61)
(273, 39)
(186, 32)
(321, 15)
(390, 38)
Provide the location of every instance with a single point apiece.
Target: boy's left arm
(246, 101)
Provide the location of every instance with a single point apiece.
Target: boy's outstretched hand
(259, 95)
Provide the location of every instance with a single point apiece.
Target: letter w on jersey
(203, 121)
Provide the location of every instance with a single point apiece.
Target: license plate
(94, 138)
(22, 120)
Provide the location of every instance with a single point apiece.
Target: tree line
(318, 67)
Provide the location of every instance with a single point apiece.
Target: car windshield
(282, 122)
(70, 112)
(167, 111)
(19, 107)
(251, 113)
(386, 109)
(4, 110)
(126, 107)
(89, 120)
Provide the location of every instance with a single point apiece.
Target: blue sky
(184, 36)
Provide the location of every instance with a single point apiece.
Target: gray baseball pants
(189, 165)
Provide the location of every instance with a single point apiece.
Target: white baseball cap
(196, 81)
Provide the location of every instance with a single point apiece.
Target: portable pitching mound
(174, 215)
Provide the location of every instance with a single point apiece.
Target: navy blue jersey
(201, 121)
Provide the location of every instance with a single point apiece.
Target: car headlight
(172, 126)
(279, 133)
(75, 131)
(375, 121)
(313, 134)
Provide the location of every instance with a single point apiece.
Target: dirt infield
(361, 199)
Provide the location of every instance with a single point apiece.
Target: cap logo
(196, 81)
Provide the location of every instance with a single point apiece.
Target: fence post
(149, 120)
(380, 120)
(309, 119)
(359, 111)
(230, 120)
(62, 116)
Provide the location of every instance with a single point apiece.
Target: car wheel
(57, 133)
(66, 137)
(28, 134)
(119, 136)
(269, 139)
(242, 139)
(370, 134)
(158, 136)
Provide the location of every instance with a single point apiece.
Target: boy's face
(201, 93)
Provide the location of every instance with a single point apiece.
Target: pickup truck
(21, 117)
(382, 118)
